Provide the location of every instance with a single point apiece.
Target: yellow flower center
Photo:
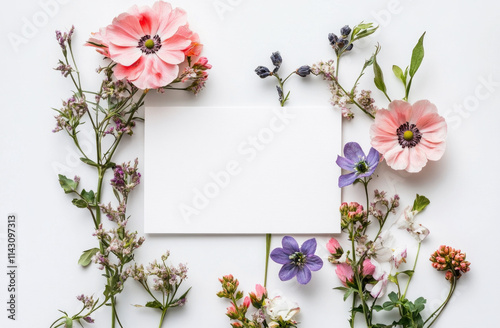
(149, 44)
(408, 135)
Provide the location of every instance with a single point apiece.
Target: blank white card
(242, 170)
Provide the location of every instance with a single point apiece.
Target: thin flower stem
(441, 308)
(268, 249)
(354, 101)
(413, 270)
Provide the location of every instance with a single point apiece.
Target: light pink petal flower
(409, 135)
(148, 44)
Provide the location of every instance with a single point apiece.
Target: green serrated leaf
(86, 257)
(88, 161)
(154, 304)
(68, 185)
(420, 203)
(417, 56)
(399, 73)
(80, 203)
(88, 196)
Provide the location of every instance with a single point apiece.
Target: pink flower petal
(397, 158)
(125, 56)
(148, 20)
(131, 72)
(176, 19)
(418, 159)
(433, 151)
(125, 31)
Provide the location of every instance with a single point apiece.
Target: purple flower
(357, 163)
(297, 261)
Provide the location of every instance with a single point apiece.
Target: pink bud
(246, 302)
(333, 245)
(260, 291)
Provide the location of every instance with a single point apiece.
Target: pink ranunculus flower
(148, 44)
(409, 135)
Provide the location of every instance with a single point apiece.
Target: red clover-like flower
(450, 260)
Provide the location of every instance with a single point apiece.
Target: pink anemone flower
(409, 135)
(148, 44)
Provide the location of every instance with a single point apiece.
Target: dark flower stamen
(149, 45)
(408, 135)
(298, 258)
(361, 167)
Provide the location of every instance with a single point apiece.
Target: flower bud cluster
(365, 100)
(126, 178)
(197, 74)
(446, 258)
(65, 38)
(353, 214)
(70, 114)
(88, 302)
(341, 43)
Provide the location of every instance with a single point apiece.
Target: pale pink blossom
(409, 135)
(407, 222)
(148, 44)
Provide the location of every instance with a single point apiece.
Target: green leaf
(417, 56)
(378, 308)
(388, 306)
(180, 297)
(379, 76)
(154, 304)
(420, 203)
(86, 257)
(349, 292)
(409, 273)
(420, 304)
(393, 297)
(362, 30)
(399, 73)
(80, 203)
(88, 196)
(68, 185)
(109, 165)
(88, 161)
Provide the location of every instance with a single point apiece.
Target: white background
(462, 50)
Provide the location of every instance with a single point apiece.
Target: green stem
(441, 308)
(268, 249)
(413, 270)
(163, 313)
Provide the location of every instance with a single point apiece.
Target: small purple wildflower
(297, 261)
(357, 163)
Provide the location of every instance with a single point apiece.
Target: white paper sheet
(242, 170)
